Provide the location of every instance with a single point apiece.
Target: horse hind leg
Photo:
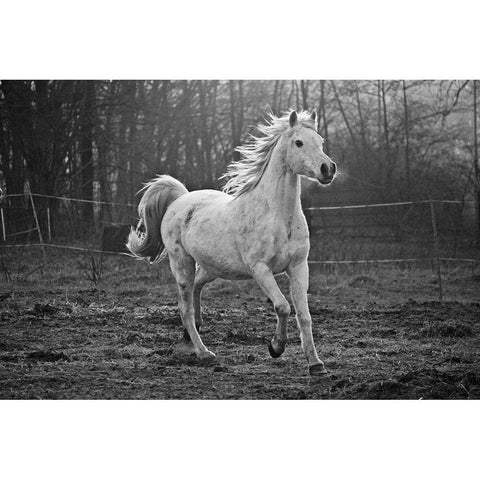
(202, 277)
(183, 269)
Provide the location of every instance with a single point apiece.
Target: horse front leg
(265, 279)
(298, 275)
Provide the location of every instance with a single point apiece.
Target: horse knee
(183, 286)
(283, 309)
(304, 321)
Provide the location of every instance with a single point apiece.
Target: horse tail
(159, 194)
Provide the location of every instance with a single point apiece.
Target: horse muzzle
(327, 173)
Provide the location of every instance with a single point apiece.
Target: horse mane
(244, 174)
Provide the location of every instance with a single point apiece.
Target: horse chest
(276, 248)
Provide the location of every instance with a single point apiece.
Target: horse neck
(279, 188)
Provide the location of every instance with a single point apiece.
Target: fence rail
(64, 247)
(414, 232)
(402, 227)
(397, 204)
(312, 262)
(69, 199)
(337, 207)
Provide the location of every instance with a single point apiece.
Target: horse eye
(299, 143)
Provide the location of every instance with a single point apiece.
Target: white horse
(255, 228)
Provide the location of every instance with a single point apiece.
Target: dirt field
(380, 332)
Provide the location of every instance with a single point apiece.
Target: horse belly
(279, 263)
(210, 240)
(220, 260)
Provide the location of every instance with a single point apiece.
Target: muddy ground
(381, 333)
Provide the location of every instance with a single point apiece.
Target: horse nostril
(324, 170)
(334, 168)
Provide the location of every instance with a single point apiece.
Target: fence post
(4, 233)
(38, 226)
(435, 246)
(49, 228)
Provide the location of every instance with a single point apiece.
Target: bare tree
(407, 140)
(304, 88)
(86, 146)
(322, 121)
(475, 156)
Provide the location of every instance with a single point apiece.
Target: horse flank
(243, 175)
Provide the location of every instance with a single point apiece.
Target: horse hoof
(272, 352)
(317, 370)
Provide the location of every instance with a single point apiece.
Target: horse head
(304, 150)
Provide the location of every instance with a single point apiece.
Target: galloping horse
(254, 228)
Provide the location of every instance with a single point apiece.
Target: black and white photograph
(155, 231)
(223, 247)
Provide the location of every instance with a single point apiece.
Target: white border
(259, 40)
(238, 439)
(267, 39)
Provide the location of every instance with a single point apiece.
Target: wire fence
(433, 232)
(31, 217)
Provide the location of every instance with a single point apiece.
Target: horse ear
(293, 118)
(313, 116)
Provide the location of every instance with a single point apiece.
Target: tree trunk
(11, 155)
(388, 163)
(164, 120)
(475, 156)
(124, 182)
(86, 148)
(304, 89)
(187, 133)
(241, 111)
(134, 179)
(323, 115)
(407, 141)
(291, 94)
(206, 151)
(104, 136)
(236, 116)
(345, 119)
(363, 135)
(276, 89)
